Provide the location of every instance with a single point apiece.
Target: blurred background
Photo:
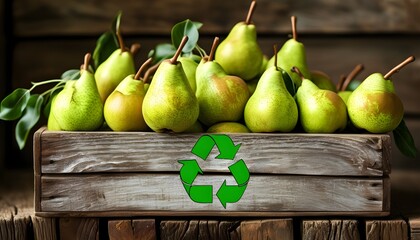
(40, 39)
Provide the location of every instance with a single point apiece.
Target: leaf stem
(120, 40)
(142, 68)
(293, 19)
(399, 66)
(87, 58)
(250, 12)
(296, 70)
(150, 71)
(275, 56)
(174, 59)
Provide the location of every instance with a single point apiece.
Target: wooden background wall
(49, 37)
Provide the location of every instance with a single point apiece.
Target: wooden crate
(114, 174)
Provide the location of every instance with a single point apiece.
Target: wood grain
(46, 17)
(267, 229)
(141, 229)
(163, 194)
(330, 229)
(414, 223)
(386, 229)
(45, 228)
(199, 229)
(78, 228)
(76, 152)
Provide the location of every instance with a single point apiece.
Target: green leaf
(185, 28)
(290, 85)
(106, 44)
(71, 74)
(29, 119)
(404, 140)
(13, 105)
(161, 52)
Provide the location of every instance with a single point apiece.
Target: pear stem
(275, 56)
(120, 41)
(294, 32)
(87, 58)
(134, 49)
(351, 76)
(250, 12)
(296, 70)
(178, 52)
(399, 66)
(213, 49)
(340, 82)
(142, 68)
(150, 71)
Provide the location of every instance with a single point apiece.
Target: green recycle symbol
(190, 170)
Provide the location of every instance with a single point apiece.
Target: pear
(291, 54)
(320, 110)
(322, 80)
(123, 107)
(170, 103)
(221, 97)
(239, 54)
(78, 106)
(189, 66)
(228, 127)
(197, 127)
(342, 87)
(271, 108)
(374, 105)
(114, 69)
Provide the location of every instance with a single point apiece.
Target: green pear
(78, 106)
(271, 108)
(114, 69)
(52, 123)
(239, 54)
(189, 66)
(374, 105)
(228, 127)
(322, 80)
(221, 97)
(170, 104)
(320, 110)
(291, 54)
(344, 83)
(123, 107)
(197, 127)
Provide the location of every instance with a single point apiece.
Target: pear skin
(228, 127)
(189, 66)
(322, 80)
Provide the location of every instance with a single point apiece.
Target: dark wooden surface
(330, 229)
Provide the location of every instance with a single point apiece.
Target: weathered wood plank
(386, 229)
(73, 152)
(141, 229)
(414, 223)
(163, 194)
(199, 229)
(330, 229)
(45, 228)
(47, 17)
(79, 228)
(6, 221)
(267, 229)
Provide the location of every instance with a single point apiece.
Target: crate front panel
(163, 194)
(296, 154)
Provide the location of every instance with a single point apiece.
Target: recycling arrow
(190, 170)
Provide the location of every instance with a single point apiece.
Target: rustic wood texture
(139, 229)
(163, 194)
(73, 152)
(386, 229)
(46, 17)
(199, 229)
(79, 228)
(267, 229)
(330, 229)
(45, 228)
(414, 223)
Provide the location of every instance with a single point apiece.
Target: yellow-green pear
(114, 69)
(78, 106)
(170, 104)
(239, 54)
(322, 80)
(320, 111)
(221, 97)
(123, 107)
(197, 127)
(291, 54)
(271, 108)
(189, 66)
(228, 127)
(374, 105)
